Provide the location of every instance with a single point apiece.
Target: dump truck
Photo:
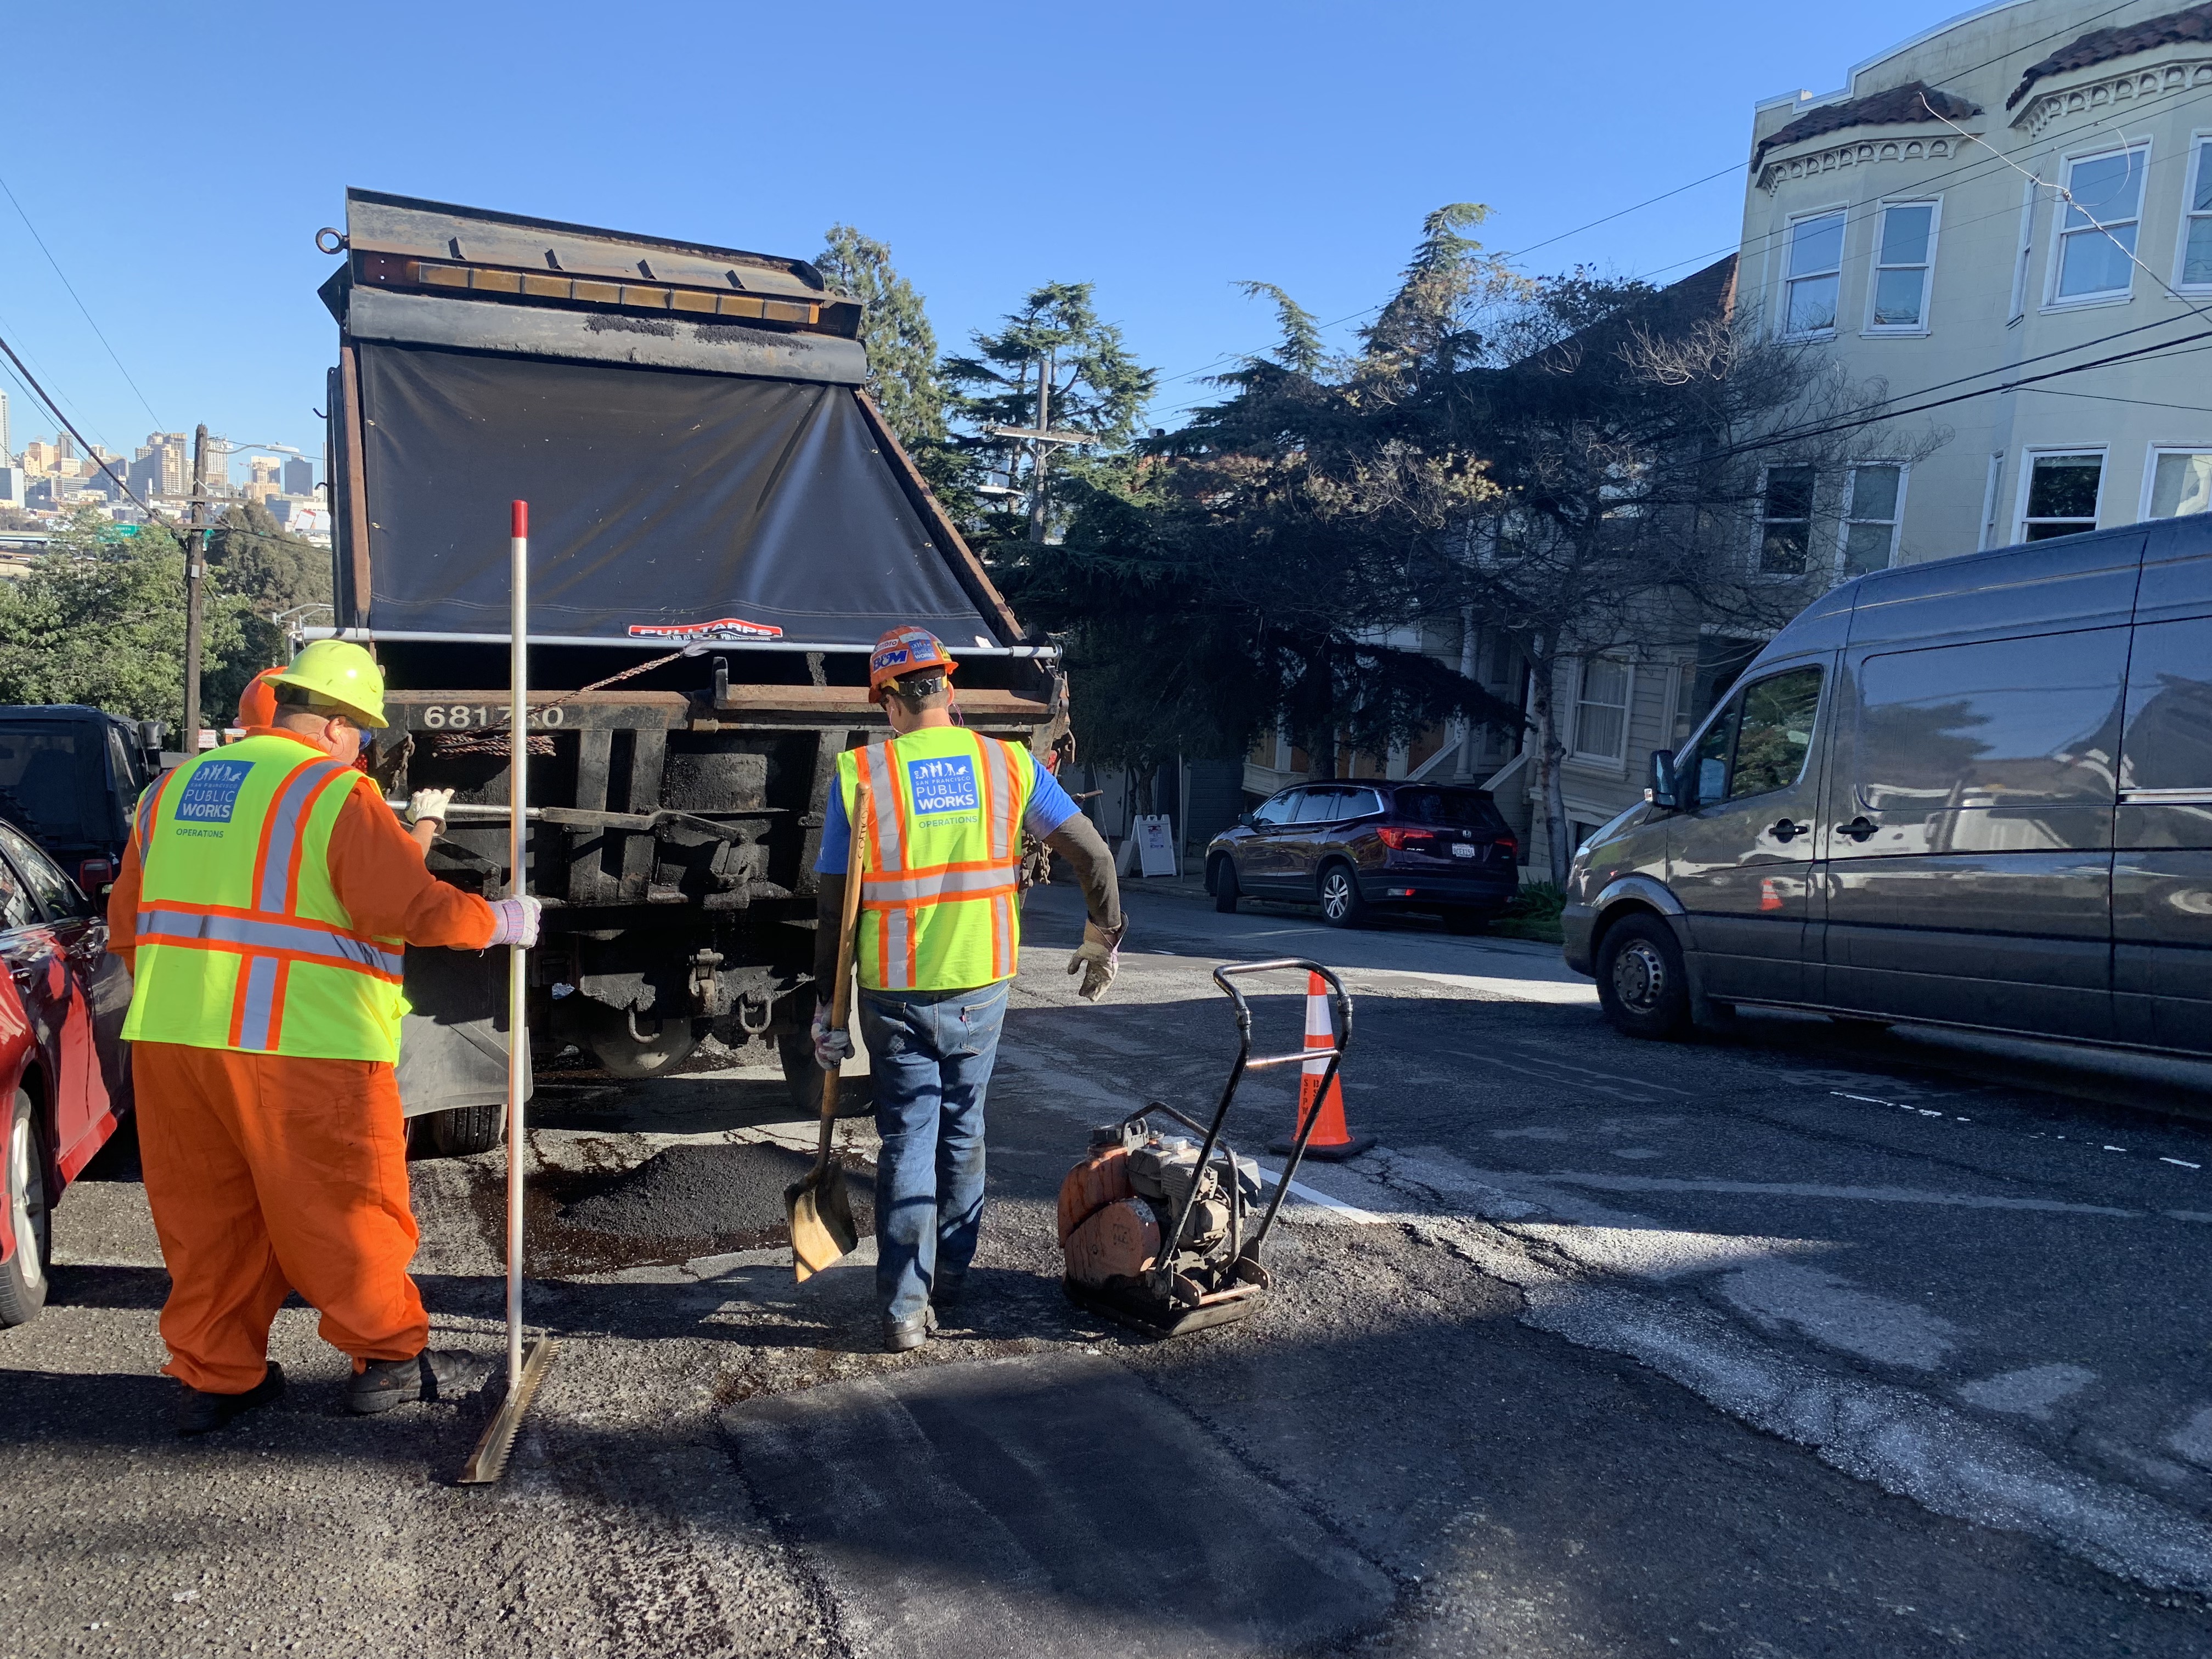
(722, 524)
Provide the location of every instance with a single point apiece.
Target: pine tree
(894, 327)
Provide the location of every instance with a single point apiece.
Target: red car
(65, 1068)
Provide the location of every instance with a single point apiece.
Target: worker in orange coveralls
(265, 901)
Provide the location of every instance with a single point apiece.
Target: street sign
(1156, 847)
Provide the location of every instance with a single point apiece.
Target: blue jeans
(930, 1053)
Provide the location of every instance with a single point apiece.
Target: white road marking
(2029, 1392)
(1314, 1195)
(1837, 1313)
(2182, 1162)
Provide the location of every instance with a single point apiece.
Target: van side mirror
(1663, 790)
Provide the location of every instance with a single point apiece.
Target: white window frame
(1989, 500)
(2200, 163)
(1875, 266)
(1618, 763)
(2023, 262)
(1758, 570)
(1839, 209)
(1896, 523)
(2112, 296)
(2150, 471)
(2027, 459)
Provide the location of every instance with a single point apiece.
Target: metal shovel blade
(822, 1227)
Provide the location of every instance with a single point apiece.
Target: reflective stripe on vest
(940, 883)
(242, 942)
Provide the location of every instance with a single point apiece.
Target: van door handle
(1784, 830)
(1859, 828)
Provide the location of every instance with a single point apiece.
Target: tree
(100, 620)
(1263, 566)
(1054, 363)
(1630, 455)
(254, 562)
(902, 376)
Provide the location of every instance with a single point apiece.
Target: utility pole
(1042, 439)
(195, 574)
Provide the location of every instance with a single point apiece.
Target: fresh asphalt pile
(694, 1192)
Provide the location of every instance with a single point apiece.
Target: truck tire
(1641, 981)
(465, 1129)
(856, 1094)
(642, 1046)
(1226, 893)
(23, 1275)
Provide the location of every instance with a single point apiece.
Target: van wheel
(1226, 893)
(464, 1131)
(23, 1275)
(1641, 981)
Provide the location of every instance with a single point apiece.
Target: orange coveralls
(268, 1173)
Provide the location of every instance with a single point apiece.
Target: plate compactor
(1156, 1229)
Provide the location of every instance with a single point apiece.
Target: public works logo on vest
(211, 792)
(942, 786)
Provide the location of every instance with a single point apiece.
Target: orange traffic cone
(1331, 1142)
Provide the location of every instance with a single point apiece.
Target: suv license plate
(1462, 850)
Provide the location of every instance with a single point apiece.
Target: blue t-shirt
(1048, 808)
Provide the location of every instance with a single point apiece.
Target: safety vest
(941, 854)
(242, 943)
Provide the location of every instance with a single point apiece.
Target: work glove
(428, 804)
(831, 1048)
(1098, 958)
(514, 920)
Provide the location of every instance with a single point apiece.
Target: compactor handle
(1340, 1004)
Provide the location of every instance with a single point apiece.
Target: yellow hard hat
(340, 672)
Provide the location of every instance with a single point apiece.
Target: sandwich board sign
(1156, 847)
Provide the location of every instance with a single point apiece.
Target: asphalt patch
(987, 1510)
(694, 1192)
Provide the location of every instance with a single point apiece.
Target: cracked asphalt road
(1779, 1345)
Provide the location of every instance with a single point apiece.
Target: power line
(73, 294)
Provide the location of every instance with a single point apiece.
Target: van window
(2168, 745)
(50, 788)
(1760, 740)
(1999, 723)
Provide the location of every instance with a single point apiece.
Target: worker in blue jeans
(938, 940)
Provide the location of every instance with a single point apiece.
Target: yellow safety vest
(941, 855)
(242, 943)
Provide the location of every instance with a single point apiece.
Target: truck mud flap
(453, 1042)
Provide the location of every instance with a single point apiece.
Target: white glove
(1098, 958)
(429, 803)
(516, 921)
(831, 1048)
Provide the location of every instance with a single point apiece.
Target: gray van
(1973, 793)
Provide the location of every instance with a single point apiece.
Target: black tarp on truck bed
(659, 500)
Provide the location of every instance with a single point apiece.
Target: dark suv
(1356, 847)
(68, 777)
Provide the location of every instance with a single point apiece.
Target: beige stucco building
(2014, 194)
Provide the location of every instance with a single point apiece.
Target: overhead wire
(81, 305)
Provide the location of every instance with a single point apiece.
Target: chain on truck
(722, 526)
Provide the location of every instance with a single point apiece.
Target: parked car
(65, 1068)
(68, 777)
(1362, 846)
(1974, 793)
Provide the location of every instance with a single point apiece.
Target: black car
(1357, 847)
(68, 777)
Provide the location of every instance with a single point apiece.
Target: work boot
(199, 1412)
(948, 1290)
(901, 1334)
(432, 1374)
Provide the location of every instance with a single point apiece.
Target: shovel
(822, 1227)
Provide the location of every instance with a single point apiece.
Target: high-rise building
(6, 446)
(299, 472)
(66, 446)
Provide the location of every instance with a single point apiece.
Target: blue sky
(177, 161)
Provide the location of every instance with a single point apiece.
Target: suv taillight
(1509, 847)
(1398, 839)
